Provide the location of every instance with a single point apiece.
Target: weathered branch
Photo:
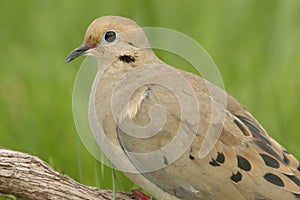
(28, 177)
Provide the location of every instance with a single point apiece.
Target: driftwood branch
(28, 177)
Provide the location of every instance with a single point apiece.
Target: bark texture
(28, 177)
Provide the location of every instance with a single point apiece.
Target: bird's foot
(138, 195)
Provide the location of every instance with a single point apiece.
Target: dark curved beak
(77, 52)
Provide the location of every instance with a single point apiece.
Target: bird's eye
(110, 36)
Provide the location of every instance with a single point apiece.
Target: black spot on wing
(274, 179)
(220, 158)
(269, 161)
(293, 178)
(285, 159)
(267, 149)
(214, 163)
(241, 127)
(254, 130)
(191, 157)
(243, 163)
(236, 177)
(297, 195)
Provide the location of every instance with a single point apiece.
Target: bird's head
(111, 37)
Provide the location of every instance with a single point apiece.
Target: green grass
(255, 43)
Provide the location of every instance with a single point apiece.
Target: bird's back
(244, 163)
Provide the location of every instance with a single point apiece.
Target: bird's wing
(243, 163)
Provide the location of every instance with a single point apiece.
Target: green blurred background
(255, 43)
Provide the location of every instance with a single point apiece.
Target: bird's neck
(126, 62)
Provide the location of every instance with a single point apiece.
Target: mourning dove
(218, 151)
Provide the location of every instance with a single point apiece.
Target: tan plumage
(245, 162)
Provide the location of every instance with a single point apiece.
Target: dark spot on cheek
(131, 44)
(298, 167)
(269, 161)
(191, 157)
(243, 163)
(127, 58)
(236, 177)
(274, 179)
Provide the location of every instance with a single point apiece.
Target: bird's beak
(77, 52)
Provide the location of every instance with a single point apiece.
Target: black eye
(110, 36)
